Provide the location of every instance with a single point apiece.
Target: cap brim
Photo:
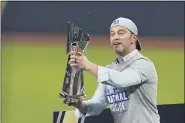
(138, 45)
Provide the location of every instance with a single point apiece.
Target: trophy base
(72, 98)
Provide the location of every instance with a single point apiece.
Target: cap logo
(115, 22)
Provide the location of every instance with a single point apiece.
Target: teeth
(116, 43)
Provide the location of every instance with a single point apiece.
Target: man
(128, 85)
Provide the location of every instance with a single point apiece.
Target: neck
(122, 54)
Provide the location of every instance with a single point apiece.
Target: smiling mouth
(116, 43)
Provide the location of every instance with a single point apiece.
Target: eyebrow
(118, 30)
(121, 30)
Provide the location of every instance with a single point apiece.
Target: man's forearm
(113, 77)
(82, 108)
(92, 68)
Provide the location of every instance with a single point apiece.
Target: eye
(121, 32)
(112, 33)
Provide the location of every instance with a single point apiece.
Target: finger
(69, 104)
(72, 53)
(73, 65)
(64, 100)
(77, 61)
(69, 101)
(74, 57)
(79, 53)
(71, 61)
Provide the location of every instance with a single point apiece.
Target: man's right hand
(77, 104)
(72, 102)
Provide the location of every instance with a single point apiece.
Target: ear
(134, 38)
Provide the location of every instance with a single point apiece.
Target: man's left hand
(78, 60)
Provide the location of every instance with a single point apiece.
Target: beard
(119, 49)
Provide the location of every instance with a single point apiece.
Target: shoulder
(144, 66)
(144, 61)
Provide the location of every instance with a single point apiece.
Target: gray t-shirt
(129, 86)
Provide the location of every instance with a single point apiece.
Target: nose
(116, 37)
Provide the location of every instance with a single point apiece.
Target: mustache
(115, 42)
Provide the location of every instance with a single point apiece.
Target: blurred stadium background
(33, 38)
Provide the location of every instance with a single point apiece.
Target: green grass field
(32, 77)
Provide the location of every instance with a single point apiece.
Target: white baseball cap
(130, 25)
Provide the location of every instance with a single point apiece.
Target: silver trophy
(73, 84)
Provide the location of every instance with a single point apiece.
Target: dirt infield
(48, 38)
